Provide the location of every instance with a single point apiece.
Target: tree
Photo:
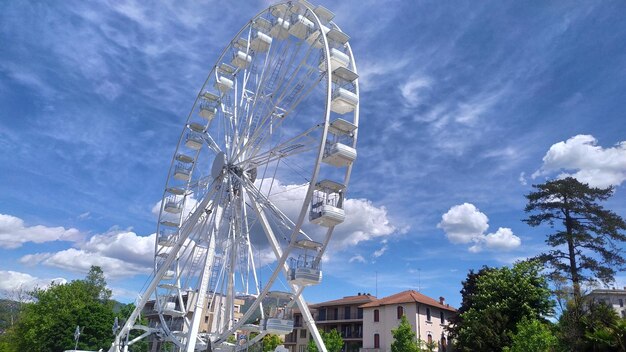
(48, 323)
(592, 326)
(97, 283)
(494, 301)
(141, 345)
(586, 247)
(532, 335)
(270, 342)
(609, 338)
(404, 338)
(332, 341)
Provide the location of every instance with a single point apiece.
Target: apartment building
(613, 297)
(298, 339)
(343, 315)
(346, 316)
(427, 316)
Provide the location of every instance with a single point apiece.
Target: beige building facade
(343, 315)
(427, 316)
(613, 297)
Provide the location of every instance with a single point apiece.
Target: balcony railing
(340, 316)
(291, 338)
(352, 334)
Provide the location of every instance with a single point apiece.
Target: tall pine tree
(586, 244)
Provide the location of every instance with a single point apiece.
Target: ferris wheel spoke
(211, 142)
(288, 90)
(266, 203)
(299, 144)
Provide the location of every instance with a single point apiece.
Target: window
(302, 348)
(359, 313)
(427, 314)
(621, 302)
(376, 341)
(206, 320)
(400, 312)
(346, 312)
(430, 338)
(442, 317)
(444, 344)
(346, 331)
(376, 317)
(624, 314)
(322, 315)
(336, 315)
(303, 333)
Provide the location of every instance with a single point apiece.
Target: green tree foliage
(125, 312)
(48, 323)
(532, 336)
(494, 301)
(586, 246)
(592, 327)
(332, 341)
(270, 342)
(425, 346)
(404, 338)
(608, 338)
(97, 284)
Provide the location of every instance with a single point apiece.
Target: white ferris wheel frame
(257, 202)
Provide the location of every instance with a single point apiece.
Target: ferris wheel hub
(217, 169)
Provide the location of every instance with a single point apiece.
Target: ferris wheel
(256, 186)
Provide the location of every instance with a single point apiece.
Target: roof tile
(407, 297)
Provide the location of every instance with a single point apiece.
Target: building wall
(388, 320)
(614, 298)
(298, 340)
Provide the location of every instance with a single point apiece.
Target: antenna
(377, 283)
(419, 280)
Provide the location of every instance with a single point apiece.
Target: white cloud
(14, 233)
(522, 179)
(364, 221)
(590, 163)
(413, 89)
(465, 224)
(357, 258)
(118, 253)
(123, 253)
(503, 239)
(13, 281)
(380, 251)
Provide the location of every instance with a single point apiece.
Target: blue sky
(464, 105)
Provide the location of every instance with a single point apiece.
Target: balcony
(352, 334)
(331, 316)
(291, 338)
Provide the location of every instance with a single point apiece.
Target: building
(298, 339)
(343, 315)
(613, 297)
(427, 316)
(208, 323)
